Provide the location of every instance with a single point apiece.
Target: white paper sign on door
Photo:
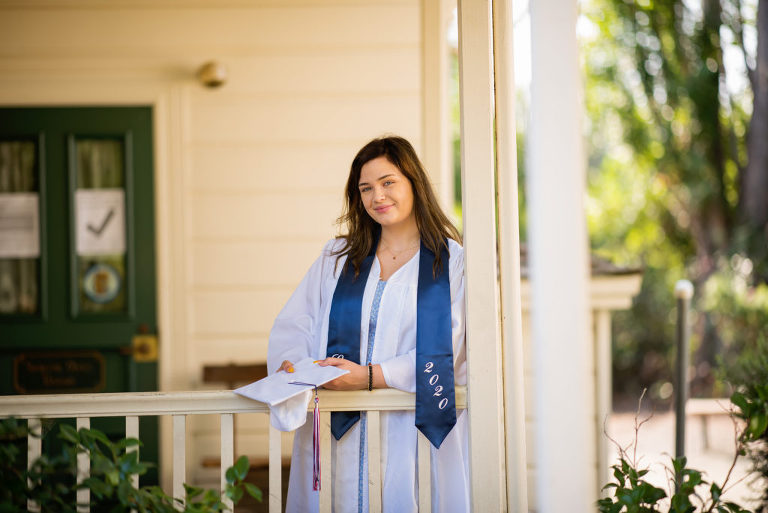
(19, 225)
(100, 221)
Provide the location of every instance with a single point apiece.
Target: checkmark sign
(104, 223)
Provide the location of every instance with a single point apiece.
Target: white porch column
(559, 267)
(509, 258)
(484, 377)
(436, 16)
(603, 393)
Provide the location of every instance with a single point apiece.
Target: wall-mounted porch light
(212, 74)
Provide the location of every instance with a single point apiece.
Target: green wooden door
(77, 255)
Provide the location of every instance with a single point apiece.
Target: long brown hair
(363, 232)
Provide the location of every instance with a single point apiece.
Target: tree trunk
(755, 183)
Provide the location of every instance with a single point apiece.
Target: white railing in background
(83, 407)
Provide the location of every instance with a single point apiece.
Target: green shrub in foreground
(50, 481)
(631, 493)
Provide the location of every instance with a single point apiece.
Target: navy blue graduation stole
(435, 401)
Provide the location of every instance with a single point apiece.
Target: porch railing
(226, 404)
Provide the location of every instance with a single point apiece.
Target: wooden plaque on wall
(58, 372)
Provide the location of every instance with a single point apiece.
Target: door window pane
(19, 228)
(100, 225)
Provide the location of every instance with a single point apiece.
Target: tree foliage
(669, 95)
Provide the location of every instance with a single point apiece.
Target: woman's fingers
(287, 365)
(356, 379)
(336, 362)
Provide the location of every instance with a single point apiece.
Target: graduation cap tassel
(316, 445)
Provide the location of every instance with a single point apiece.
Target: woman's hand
(357, 379)
(286, 366)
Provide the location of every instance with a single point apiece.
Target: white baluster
(132, 431)
(326, 487)
(275, 470)
(425, 473)
(83, 470)
(227, 452)
(374, 461)
(34, 450)
(179, 455)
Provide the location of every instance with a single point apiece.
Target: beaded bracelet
(370, 377)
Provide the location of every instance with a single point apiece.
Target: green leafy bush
(752, 400)
(50, 480)
(743, 315)
(631, 493)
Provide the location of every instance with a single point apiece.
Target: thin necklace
(396, 254)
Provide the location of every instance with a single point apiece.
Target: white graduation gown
(301, 330)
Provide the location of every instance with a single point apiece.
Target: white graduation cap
(288, 394)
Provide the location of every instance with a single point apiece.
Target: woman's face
(386, 193)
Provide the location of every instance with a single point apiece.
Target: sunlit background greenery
(668, 89)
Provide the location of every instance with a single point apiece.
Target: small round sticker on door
(101, 283)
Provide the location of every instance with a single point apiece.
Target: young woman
(386, 302)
